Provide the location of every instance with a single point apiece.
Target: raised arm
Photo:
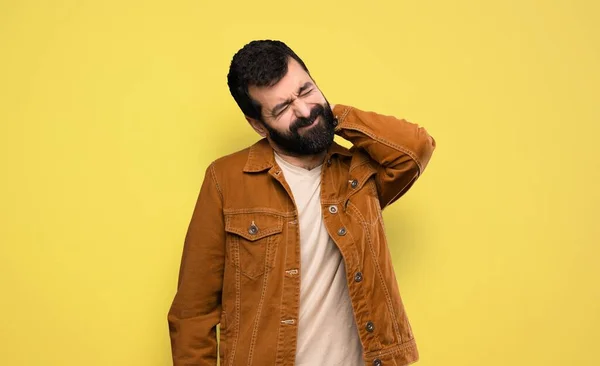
(400, 149)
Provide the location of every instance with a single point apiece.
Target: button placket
(370, 327)
(292, 272)
(358, 277)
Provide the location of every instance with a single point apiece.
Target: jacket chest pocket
(362, 200)
(252, 241)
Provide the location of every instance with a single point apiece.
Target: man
(286, 247)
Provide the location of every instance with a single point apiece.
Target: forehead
(286, 88)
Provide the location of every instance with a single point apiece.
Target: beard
(314, 140)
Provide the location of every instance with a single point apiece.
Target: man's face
(295, 114)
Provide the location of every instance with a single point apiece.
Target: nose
(301, 109)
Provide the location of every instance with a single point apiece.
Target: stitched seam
(375, 339)
(362, 182)
(249, 162)
(395, 349)
(330, 176)
(358, 165)
(333, 201)
(376, 195)
(395, 146)
(223, 338)
(237, 301)
(264, 232)
(354, 251)
(345, 114)
(296, 304)
(260, 303)
(385, 289)
(282, 328)
(366, 230)
(281, 307)
(278, 228)
(262, 210)
(215, 181)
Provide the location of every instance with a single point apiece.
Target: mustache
(317, 111)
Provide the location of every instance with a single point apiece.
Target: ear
(257, 126)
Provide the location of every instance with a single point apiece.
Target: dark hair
(258, 63)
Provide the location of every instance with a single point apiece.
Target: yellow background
(111, 110)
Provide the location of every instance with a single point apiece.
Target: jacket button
(252, 230)
(333, 209)
(328, 161)
(354, 183)
(370, 327)
(342, 231)
(358, 277)
(377, 362)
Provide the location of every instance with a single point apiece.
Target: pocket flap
(253, 226)
(361, 174)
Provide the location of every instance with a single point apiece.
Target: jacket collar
(261, 157)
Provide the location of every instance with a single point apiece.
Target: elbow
(424, 151)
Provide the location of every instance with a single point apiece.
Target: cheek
(282, 125)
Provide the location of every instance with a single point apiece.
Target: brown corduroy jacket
(240, 266)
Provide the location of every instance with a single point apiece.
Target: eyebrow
(275, 109)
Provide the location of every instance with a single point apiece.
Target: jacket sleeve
(400, 149)
(195, 310)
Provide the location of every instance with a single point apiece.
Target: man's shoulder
(234, 163)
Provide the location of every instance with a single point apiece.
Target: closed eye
(281, 110)
(306, 93)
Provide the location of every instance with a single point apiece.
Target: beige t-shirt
(327, 333)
